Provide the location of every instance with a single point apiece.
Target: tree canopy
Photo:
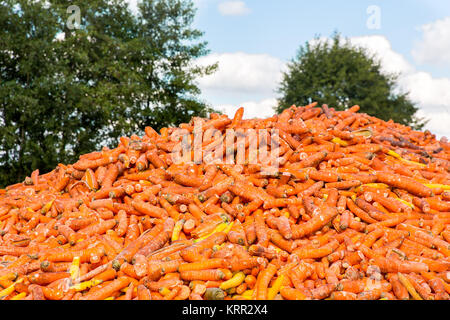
(341, 75)
(66, 91)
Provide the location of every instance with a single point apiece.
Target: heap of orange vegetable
(359, 208)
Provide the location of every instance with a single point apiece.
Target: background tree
(341, 75)
(65, 91)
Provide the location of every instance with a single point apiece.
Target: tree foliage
(66, 91)
(341, 75)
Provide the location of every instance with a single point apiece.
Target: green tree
(341, 75)
(66, 91)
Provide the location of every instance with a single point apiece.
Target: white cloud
(252, 109)
(426, 90)
(435, 45)
(438, 122)
(243, 72)
(391, 61)
(433, 98)
(233, 8)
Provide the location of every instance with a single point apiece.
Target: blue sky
(252, 40)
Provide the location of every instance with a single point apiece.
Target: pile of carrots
(359, 208)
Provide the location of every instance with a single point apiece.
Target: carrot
(149, 209)
(438, 204)
(399, 289)
(98, 228)
(317, 222)
(143, 293)
(108, 290)
(85, 255)
(292, 294)
(405, 183)
(260, 228)
(36, 292)
(390, 265)
(62, 183)
(343, 295)
(192, 253)
(386, 223)
(173, 213)
(282, 224)
(52, 294)
(263, 280)
(323, 291)
(373, 212)
(237, 234)
(205, 275)
(374, 294)
(157, 268)
(110, 176)
(106, 275)
(202, 265)
(157, 241)
(363, 215)
(307, 253)
(439, 288)
(412, 291)
(278, 240)
(48, 277)
(420, 286)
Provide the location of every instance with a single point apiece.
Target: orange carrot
(317, 222)
(108, 290)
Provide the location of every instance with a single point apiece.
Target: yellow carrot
(405, 282)
(394, 154)
(10, 276)
(86, 285)
(247, 293)
(437, 186)
(177, 230)
(220, 228)
(74, 269)
(236, 280)
(414, 163)
(228, 228)
(47, 207)
(339, 141)
(407, 203)
(164, 291)
(19, 296)
(9, 290)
